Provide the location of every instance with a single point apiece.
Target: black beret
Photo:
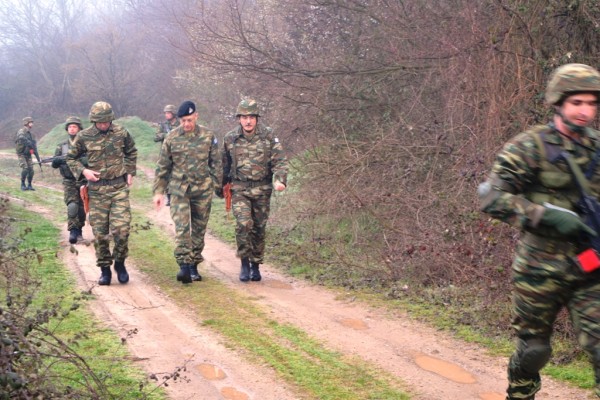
(186, 108)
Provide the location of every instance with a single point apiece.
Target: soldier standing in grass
(190, 168)
(255, 164)
(26, 147)
(164, 128)
(532, 189)
(111, 157)
(72, 186)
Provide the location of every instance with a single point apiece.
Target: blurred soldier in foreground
(190, 167)
(255, 164)
(26, 148)
(72, 186)
(111, 157)
(532, 187)
(164, 128)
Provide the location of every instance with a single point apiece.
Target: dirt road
(433, 365)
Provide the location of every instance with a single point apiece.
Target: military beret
(186, 108)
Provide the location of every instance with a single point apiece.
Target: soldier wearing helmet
(71, 185)
(26, 147)
(164, 128)
(105, 155)
(254, 163)
(533, 189)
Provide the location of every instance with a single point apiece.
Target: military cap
(186, 108)
(73, 120)
(27, 120)
(170, 108)
(247, 107)
(571, 78)
(101, 111)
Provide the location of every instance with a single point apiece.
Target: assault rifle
(50, 159)
(588, 207)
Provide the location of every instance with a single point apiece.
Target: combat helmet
(72, 120)
(170, 108)
(247, 107)
(101, 111)
(571, 78)
(27, 120)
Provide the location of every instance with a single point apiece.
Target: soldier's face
(580, 109)
(189, 122)
(29, 125)
(248, 122)
(73, 129)
(169, 115)
(103, 126)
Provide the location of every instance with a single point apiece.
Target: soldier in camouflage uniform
(26, 147)
(111, 157)
(255, 163)
(533, 190)
(72, 186)
(190, 167)
(164, 128)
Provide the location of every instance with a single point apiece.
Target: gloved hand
(57, 162)
(565, 221)
(219, 192)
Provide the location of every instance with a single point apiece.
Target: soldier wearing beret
(255, 164)
(533, 189)
(189, 166)
(26, 147)
(71, 185)
(111, 165)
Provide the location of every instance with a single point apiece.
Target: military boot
(195, 275)
(105, 277)
(23, 187)
(73, 236)
(255, 272)
(121, 271)
(245, 271)
(184, 275)
(29, 187)
(79, 234)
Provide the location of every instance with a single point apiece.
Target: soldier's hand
(91, 175)
(565, 221)
(57, 162)
(278, 186)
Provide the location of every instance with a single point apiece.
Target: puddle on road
(444, 368)
(275, 284)
(357, 324)
(230, 393)
(211, 372)
(491, 396)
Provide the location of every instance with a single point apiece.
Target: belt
(252, 184)
(108, 182)
(549, 245)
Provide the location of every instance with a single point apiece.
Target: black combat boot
(80, 234)
(184, 275)
(194, 272)
(121, 271)
(73, 236)
(105, 277)
(23, 187)
(255, 272)
(29, 187)
(245, 271)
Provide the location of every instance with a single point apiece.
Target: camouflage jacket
(257, 158)
(164, 128)
(188, 161)
(523, 177)
(24, 142)
(113, 154)
(61, 151)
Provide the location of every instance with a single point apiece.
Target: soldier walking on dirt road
(190, 168)
(533, 189)
(254, 163)
(26, 147)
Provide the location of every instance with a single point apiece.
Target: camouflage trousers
(544, 283)
(26, 164)
(251, 210)
(190, 214)
(110, 216)
(72, 196)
